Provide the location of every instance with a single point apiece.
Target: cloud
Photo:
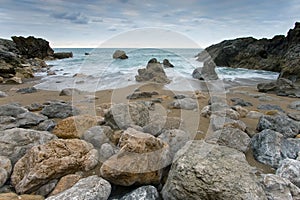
(76, 17)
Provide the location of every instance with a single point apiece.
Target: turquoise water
(103, 72)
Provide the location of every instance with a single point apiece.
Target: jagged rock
(92, 187)
(140, 160)
(27, 90)
(230, 137)
(280, 123)
(65, 183)
(290, 169)
(123, 115)
(186, 104)
(7, 123)
(75, 126)
(50, 161)
(62, 55)
(59, 110)
(277, 188)
(207, 171)
(120, 54)
(15, 142)
(147, 192)
(167, 63)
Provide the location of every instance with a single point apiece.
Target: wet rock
(140, 160)
(230, 137)
(75, 126)
(186, 104)
(52, 161)
(121, 116)
(270, 107)
(15, 142)
(65, 183)
(47, 125)
(167, 63)
(147, 192)
(202, 169)
(29, 119)
(277, 188)
(11, 110)
(92, 187)
(59, 110)
(295, 105)
(240, 102)
(280, 123)
(290, 169)
(119, 54)
(62, 55)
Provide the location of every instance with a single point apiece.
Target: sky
(92, 23)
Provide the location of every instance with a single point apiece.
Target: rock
(206, 111)
(147, 192)
(207, 72)
(34, 107)
(29, 119)
(294, 116)
(197, 73)
(123, 115)
(65, 183)
(63, 55)
(270, 147)
(50, 161)
(180, 96)
(295, 105)
(153, 72)
(98, 135)
(207, 171)
(70, 92)
(24, 72)
(14, 80)
(240, 102)
(47, 125)
(153, 60)
(277, 188)
(51, 73)
(106, 151)
(13, 196)
(159, 124)
(3, 176)
(3, 94)
(47, 188)
(254, 115)
(5, 163)
(15, 142)
(59, 110)
(138, 95)
(140, 160)
(167, 63)
(230, 137)
(281, 87)
(290, 169)
(265, 98)
(31, 47)
(75, 126)
(269, 107)
(118, 54)
(280, 123)
(27, 90)
(219, 122)
(7, 123)
(186, 104)
(243, 112)
(11, 110)
(176, 139)
(92, 187)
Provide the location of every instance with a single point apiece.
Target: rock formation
(118, 54)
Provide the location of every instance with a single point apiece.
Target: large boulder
(207, 171)
(51, 161)
(119, 54)
(140, 160)
(207, 72)
(14, 143)
(92, 187)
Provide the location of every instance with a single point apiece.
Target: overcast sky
(88, 23)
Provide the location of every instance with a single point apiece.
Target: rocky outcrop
(207, 72)
(281, 87)
(119, 54)
(207, 171)
(279, 54)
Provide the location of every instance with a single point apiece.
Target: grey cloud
(75, 17)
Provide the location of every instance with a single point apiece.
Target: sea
(95, 69)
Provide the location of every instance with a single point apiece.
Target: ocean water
(99, 71)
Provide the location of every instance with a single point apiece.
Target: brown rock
(65, 183)
(140, 160)
(13, 196)
(75, 126)
(119, 54)
(298, 136)
(14, 80)
(25, 72)
(1, 79)
(50, 161)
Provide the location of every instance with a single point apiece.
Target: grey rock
(207, 72)
(280, 123)
(277, 188)
(294, 116)
(59, 110)
(121, 116)
(47, 188)
(3, 94)
(5, 163)
(219, 122)
(138, 95)
(159, 124)
(7, 122)
(3, 176)
(11, 110)
(106, 151)
(70, 92)
(29, 119)
(270, 107)
(230, 137)
(147, 192)
(240, 102)
(97, 136)
(27, 90)
(197, 73)
(47, 125)
(34, 107)
(207, 171)
(180, 96)
(15, 142)
(295, 105)
(186, 104)
(90, 188)
(119, 54)
(290, 169)
(265, 98)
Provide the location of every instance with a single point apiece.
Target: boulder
(119, 54)
(15, 142)
(207, 72)
(24, 72)
(14, 80)
(138, 95)
(11, 110)
(50, 161)
(207, 171)
(167, 63)
(75, 126)
(29, 119)
(7, 123)
(65, 183)
(185, 104)
(62, 55)
(5, 169)
(270, 107)
(59, 110)
(277, 188)
(159, 124)
(121, 116)
(147, 192)
(290, 169)
(92, 187)
(140, 160)
(219, 122)
(98, 135)
(280, 123)
(230, 137)
(240, 102)
(3, 176)
(106, 151)
(47, 125)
